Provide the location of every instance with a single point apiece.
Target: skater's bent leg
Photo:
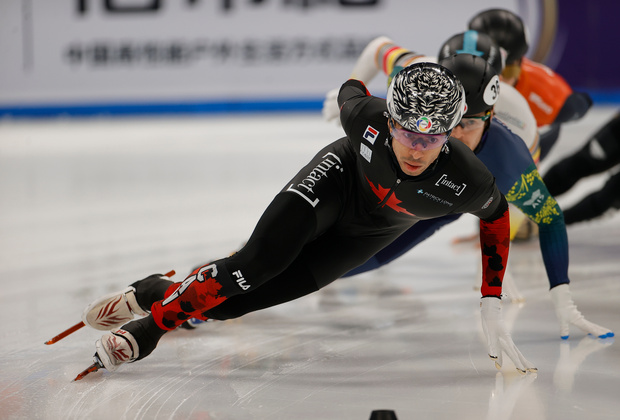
(147, 335)
(597, 203)
(151, 289)
(291, 284)
(318, 265)
(600, 153)
(286, 226)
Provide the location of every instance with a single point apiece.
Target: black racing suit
(348, 203)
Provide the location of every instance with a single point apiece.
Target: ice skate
(113, 310)
(115, 348)
(117, 309)
(112, 350)
(134, 341)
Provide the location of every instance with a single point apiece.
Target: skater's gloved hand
(498, 338)
(567, 313)
(331, 110)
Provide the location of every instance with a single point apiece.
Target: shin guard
(199, 292)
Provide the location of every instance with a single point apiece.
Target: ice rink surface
(89, 206)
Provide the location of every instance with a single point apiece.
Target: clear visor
(417, 141)
(473, 123)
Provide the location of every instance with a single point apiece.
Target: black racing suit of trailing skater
(349, 202)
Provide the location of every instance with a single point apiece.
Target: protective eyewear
(417, 141)
(473, 123)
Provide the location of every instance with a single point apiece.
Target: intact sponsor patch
(305, 187)
(457, 188)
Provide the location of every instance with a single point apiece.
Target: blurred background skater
(601, 153)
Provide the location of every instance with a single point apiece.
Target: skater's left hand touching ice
(567, 313)
(498, 338)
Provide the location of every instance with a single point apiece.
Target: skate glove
(567, 313)
(498, 338)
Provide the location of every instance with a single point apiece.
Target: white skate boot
(113, 310)
(114, 349)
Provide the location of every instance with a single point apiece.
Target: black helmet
(476, 43)
(479, 79)
(506, 29)
(426, 98)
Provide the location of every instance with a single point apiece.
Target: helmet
(479, 80)
(506, 29)
(476, 43)
(426, 98)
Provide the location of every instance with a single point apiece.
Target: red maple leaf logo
(392, 202)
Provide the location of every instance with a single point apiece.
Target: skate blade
(81, 324)
(92, 368)
(65, 333)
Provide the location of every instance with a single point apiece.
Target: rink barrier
(150, 108)
(207, 107)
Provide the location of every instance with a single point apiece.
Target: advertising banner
(89, 56)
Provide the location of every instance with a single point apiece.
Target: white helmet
(426, 98)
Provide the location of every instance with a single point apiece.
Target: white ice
(89, 206)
